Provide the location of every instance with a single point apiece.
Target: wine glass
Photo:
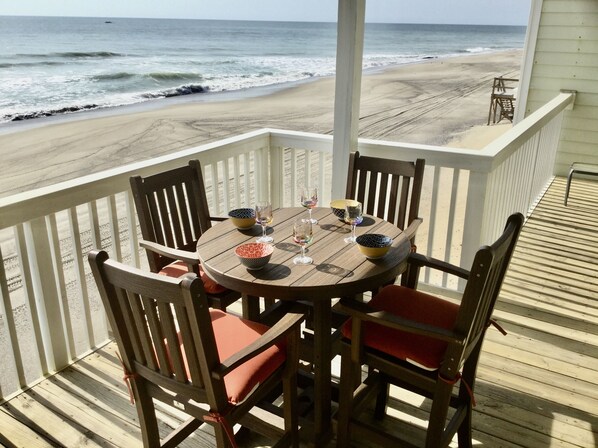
(263, 216)
(309, 199)
(302, 235)
(353, 217)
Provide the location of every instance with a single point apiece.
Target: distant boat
(107, 21)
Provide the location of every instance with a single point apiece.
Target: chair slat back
(388, 189)
(480, 295)
(162, 326)
(172, 209)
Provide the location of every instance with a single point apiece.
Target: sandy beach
(437, 102)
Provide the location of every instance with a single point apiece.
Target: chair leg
(438, 414)
(222, 440)
(381, 400)
(147, 415)
(289, 390)
(345, 405)
(464, 431)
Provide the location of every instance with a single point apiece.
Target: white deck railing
(50, 314)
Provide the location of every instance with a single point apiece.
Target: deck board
(537, 386)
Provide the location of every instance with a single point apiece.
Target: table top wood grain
(338, 269)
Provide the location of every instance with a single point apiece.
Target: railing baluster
(225, 186)
(94, 224)
(277, 173)
(236, 186)
(451, 222)
(81, 284)
(13, 339)
(433, 208)
(114, 228)
(59, 269)
(132, 223)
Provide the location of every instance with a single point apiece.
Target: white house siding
(566, 58)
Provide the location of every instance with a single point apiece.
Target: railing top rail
(506, 144)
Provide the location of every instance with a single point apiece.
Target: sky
(477, 12)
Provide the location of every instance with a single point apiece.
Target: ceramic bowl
(373, 245)
(338, 208)
(254, 255)
(242, 218)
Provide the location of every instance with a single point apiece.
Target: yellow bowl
(242, 218)
(373, 245)
(338, 207)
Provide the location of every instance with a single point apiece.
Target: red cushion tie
(457, 378)
(217, 417)
(127, 378)
(497, 326)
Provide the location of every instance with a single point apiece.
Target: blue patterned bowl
(373, 245)
(242, 218)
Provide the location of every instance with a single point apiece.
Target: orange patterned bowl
(254, 255)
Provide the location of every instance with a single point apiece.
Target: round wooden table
(338, 270)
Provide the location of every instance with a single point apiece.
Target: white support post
(474, 217)
(349, 56)
(46, 295)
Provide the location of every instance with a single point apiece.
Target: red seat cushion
(179, 268)
(232, 334)
(417, 306)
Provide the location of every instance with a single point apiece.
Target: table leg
(251, 307)
(322, 376)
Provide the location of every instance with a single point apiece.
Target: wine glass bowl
(353, 216)
(309, 200)
(242, 218)
(263, 216)
(302, 235)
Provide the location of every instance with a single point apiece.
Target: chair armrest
(289, 323)
(420, 260)
(362, 311)
(409, 232)
(176, 254)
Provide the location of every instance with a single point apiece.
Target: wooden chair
(389, 189)
(172, 209)
(214, 366)
(424, 344)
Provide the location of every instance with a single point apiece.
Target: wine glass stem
(309, 210)
(303, 251)
(353, 232)
(263, 230)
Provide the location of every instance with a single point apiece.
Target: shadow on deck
(537, 386)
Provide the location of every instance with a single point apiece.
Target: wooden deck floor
(537, 387)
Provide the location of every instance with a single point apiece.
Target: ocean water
(55, 65)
